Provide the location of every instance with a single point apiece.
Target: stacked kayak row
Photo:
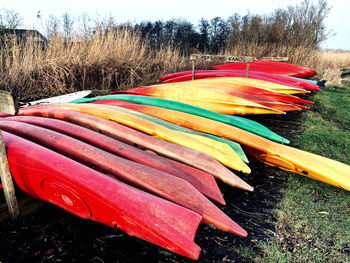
(92, 168)
(224, 126)
(228, 91)
(146, 160)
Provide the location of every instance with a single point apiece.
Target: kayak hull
(204, 183)
(130, 136)
(146, 178)
(86, 193)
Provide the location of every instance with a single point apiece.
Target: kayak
(203, 182)
(271, 67)
(135, 107)
(160, 132)
(130, 136)
(154, 181)
(287, 158)
(226, 156)
(265, 92)
(58, 99)
(236, 121)
(92, 195)
(196, 135)
(233, 94)
(204, 74)
(307, 81)
(262, 100)
(211, 99)
(234, 82)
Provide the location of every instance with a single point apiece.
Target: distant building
(22, 35)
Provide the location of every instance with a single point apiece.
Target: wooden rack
(230, 59)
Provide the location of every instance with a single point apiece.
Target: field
(289, 217)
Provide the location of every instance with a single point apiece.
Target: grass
(313, 218)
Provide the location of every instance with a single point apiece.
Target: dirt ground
(52, 235)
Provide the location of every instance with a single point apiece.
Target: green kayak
(234, 146)
(239, 122)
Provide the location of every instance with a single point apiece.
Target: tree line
(302, 25)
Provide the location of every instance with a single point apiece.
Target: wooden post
(7, 106)
(193, 65)
(247, 72)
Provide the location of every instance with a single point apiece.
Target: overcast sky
(191, 10)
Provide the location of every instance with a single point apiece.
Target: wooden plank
(7, 106)
(233, 59)
(281, 59)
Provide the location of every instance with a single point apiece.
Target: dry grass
(119, 60)
(105, 61)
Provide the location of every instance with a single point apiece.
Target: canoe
(236, 121)
(274, 154)
(204, 74)
(210, 99)
(271, 67)
(146, 178)
(135, 107)
(92, 195)
(196, 135)
(203, 182)
(130, 136)
(157, 130)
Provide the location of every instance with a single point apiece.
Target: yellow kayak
(228, 158)
(233, 82)
(275, 154)
(216, 100)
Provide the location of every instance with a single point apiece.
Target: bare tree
(52, 26)
(68, 22)
(9, 18)
(84, 21)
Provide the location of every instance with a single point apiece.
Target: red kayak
(154, 181)
(86, 193)
(120, 132)
(205, 183)
(200, 74)
(271, 67)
